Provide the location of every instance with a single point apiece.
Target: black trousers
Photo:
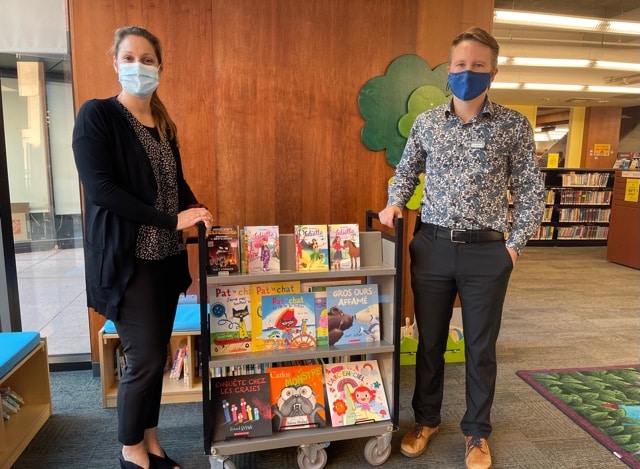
(479, 273)
(144, 324)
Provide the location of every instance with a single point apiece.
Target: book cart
(380, 263)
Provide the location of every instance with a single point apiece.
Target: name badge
(477, 144)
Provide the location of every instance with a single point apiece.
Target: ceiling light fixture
(496, 85)
(580, 23)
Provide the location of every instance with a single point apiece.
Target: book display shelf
(578, 207)
(381, 259)
(173, 391)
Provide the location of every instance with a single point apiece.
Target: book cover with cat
(289, 321)
(241, 406)
(256, 292)
(297, 397)
(230, 319)
(312, 247)
(355, 393)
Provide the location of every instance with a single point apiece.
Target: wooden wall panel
(265, 93)
(602, 125)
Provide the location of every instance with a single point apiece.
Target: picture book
(262, 249)
(353, 314)
(230, 319)
(223, 250)
(288, 321)
(322, 320)
(241, 406)
(312, 247)
(344, 246)
(297, 397)
(256, 292)
(355, 393)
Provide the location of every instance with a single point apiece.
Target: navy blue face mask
(468, 85)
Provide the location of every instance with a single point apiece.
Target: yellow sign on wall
(631, 190)
(601, 149)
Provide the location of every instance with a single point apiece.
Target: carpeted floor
(566, 308)
(604, 401)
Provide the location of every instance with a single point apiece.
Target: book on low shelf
(223, 250)
(178, 361)
(355, 393)
(344, 246)
(230, 319)
(262, 249)
(288, 321)
(241, 406)
(297, 397)
(353, 314)
(312, 247)
(256, 292)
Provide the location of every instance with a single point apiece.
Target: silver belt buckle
(451, 236)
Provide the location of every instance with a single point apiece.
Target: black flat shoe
(124, 464)
(160, 462)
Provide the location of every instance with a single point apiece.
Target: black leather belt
(463, 236)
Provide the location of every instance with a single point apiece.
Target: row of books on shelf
(579, 232)
(292, 314)
(11, 402)
(593, 215)
(627, 160)
(585, 197)
(256, 249)
(284, 398)
(596, 179)
(566, 233)
(257, 368)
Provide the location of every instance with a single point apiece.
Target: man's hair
(481, 36)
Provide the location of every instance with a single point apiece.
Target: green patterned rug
(604, 401)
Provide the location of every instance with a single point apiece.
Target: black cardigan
(119, 193)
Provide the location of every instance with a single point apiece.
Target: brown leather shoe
(415, 442)
(477, 455)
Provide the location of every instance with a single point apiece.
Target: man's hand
(389, 214)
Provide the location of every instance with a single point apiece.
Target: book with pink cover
(355, 393)
(344, 246)
(262, 249)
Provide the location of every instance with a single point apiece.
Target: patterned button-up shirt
(468, 168)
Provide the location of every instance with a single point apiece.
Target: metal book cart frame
(381, 263)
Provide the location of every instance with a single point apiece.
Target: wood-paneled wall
(264, 93)
(602, 126)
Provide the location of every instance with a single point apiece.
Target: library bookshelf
(577, 207)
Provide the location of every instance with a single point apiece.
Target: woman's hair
(165, 124)
(483, 37)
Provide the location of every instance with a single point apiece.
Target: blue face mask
(138, 79)
(468, 85)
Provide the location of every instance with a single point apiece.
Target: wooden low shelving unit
(173, 391)
(30, 379)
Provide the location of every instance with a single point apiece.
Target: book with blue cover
(288, 321)
(353, 314)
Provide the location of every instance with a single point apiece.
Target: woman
(136, 202)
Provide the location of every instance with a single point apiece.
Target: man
(471, 152)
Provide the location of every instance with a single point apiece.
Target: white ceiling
(520, 41)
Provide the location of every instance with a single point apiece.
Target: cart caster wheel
(374, 454)
(228, 464)
(304, 462)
